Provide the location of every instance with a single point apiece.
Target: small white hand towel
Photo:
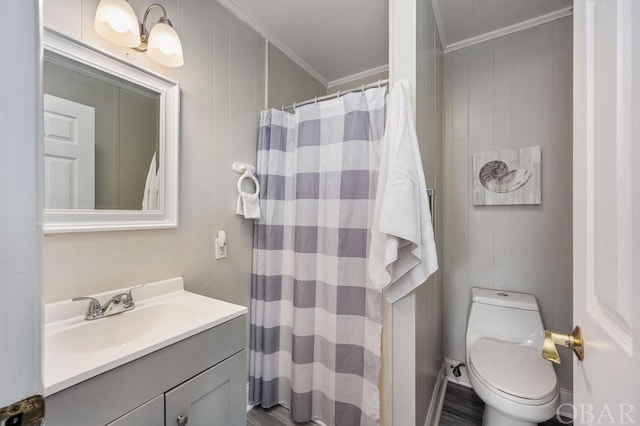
(403, 252)
(248, 205)
(149, 197)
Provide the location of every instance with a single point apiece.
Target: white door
(605, 210)
(20, 233)
(69, 159)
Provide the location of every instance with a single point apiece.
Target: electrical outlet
(221, 252)
(221, 245)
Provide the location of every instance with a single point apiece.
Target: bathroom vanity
(178, 358)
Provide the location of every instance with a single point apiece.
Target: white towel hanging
(150, 195)
(402, 254)
(248, 205)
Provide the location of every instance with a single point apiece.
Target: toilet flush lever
(574, 341)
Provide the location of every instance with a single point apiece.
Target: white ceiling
(336, 39)
(332, 39)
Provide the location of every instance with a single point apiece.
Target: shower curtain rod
(361, 88)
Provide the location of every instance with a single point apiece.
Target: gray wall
(428, 319)
(510, 92)
(222, 84)
(288, 83)
(222, 88)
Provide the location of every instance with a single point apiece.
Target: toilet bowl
(504, 360)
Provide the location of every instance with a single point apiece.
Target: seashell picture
(507, 177)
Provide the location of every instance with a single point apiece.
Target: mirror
(110, 141)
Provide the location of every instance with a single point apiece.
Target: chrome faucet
(119, 303)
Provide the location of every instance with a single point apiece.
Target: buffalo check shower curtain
(315, 319)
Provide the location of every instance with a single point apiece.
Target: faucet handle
(128, 302)
(94, 310)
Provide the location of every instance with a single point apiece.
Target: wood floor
(275, 416)
(461, 407)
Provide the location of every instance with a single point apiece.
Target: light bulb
(116, 21)
(164, 46)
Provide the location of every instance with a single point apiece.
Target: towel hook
(248, 175)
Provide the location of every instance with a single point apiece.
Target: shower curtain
(315, 319)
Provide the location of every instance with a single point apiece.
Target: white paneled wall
(223, 90)
(85, 263)
(429, 129)
(287, 82)
(412, 327)
(510, 92)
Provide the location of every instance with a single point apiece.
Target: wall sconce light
(117, 22)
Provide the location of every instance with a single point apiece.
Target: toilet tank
(504, 315)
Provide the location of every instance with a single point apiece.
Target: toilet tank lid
(509, 299)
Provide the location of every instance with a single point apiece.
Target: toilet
(504, 360)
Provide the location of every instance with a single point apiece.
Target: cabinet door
(216, 397)
(149, 414)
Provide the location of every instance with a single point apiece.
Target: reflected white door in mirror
(110, 141)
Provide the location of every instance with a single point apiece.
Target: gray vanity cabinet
(151, 413)
(206, 399)
(203, 376)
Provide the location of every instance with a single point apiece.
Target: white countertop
(76, 350)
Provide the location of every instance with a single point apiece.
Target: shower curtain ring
(315, 100)
(363, 89)
(294, 107)
(379, 83)
(338, 95)
(282, 108)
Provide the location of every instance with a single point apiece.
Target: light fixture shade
(164, 46)
(116, 21)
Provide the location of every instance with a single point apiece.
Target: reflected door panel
(69, 161)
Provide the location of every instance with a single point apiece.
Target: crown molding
(543, 19)
(357, 76)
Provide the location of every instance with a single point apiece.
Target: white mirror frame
(84, 220)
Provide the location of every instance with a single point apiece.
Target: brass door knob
(574, 341)
(182, 420)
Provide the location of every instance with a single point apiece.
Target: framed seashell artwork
(507, 177)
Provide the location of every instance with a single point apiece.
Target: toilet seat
(514, 371)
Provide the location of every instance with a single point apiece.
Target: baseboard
(566, 403)
(437, 398)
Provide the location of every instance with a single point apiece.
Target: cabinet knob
(182, 420)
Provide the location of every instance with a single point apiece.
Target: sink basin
(76, 350)
(117, 330)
